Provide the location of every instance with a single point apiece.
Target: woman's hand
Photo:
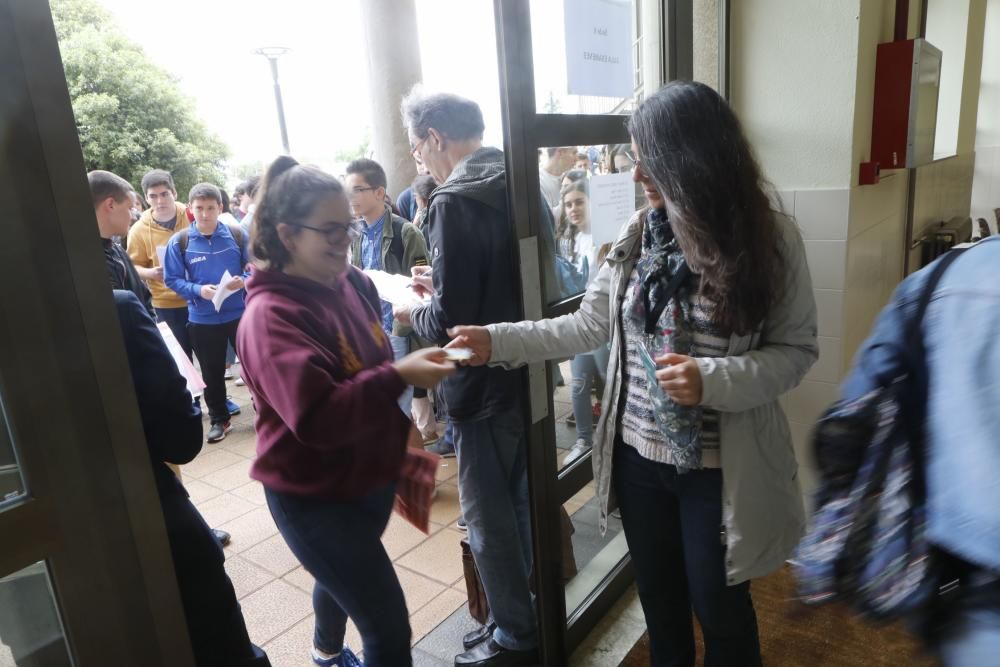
(681, 379)
(424, 368)
(476, 339)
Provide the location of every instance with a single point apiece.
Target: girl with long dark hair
(707, 303)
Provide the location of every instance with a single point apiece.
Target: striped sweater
(638, 423)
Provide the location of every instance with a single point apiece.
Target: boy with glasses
(386, 243)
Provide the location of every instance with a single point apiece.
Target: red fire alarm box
(904, 120)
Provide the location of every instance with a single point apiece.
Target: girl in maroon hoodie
(330, 435)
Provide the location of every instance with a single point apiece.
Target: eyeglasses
(334, 232)
(415, 149)
(635, 161)
(354, 192)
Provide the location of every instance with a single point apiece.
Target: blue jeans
(401, 348)
(177, 320)
(340, 545)
(588, 368)
(493, 492)
(673, 526)
(974, 639)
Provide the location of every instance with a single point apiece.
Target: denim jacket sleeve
(881, 356)
(787, 347)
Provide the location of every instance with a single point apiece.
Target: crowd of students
(693, 322)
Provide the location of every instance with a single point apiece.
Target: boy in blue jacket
(196, 261)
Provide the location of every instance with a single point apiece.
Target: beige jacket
(762, 503)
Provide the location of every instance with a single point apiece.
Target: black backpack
(396, 245)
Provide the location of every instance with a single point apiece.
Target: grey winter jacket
(763, 513)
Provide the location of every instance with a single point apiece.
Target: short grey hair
(453, 116)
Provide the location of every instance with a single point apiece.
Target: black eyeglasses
(357, 191)
(415, 149)
(335, 231)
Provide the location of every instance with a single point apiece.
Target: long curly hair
(692, 147)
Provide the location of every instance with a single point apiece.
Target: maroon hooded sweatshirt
(318, 366)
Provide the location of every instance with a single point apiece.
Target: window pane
(594, 556)
(587, 56)
(589, 193)
(11, 481)
(30, 630)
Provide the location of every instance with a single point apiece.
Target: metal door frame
(526, 131)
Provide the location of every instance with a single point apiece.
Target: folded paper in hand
(195, 383)
(222, 292)
(394, 288)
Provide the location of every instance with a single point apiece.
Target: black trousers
(210, 342)
(215, 623)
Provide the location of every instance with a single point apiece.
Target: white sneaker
(578, 449)
(240, 383)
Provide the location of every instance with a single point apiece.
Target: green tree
(131, 114)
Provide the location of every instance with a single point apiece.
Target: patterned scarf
(661, 316)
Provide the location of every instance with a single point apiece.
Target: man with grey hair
(474, 281)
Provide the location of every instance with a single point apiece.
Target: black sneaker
(218, 431)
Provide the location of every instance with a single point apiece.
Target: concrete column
(393, 68)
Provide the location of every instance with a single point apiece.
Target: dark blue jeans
(340, 545)
(177, 320)
(493, 491)
(673, 526)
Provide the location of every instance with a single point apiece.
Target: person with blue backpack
(918, 537)
(197, 260)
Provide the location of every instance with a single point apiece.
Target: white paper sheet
(599, 48)
(222, 292)
(612, 203)
(195, 383)
(161, 253)
(395, 289)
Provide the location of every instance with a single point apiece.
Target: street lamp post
(272, 53)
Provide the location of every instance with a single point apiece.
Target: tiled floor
(274, 590)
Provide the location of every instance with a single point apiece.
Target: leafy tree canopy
(131, 114)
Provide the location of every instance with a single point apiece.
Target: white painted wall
(986, 179)
(793, 67)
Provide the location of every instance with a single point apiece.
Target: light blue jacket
(203, 263)
(961, 333)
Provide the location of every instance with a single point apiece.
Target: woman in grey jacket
(707, 303)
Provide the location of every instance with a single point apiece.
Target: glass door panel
(12, 486)
(587, 55)
(31, 631)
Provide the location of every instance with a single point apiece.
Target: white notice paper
(394, 289)
(612, 203)
(599, 47)
(161, 253)
(222, 292)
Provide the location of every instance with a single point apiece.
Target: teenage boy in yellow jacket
(156, 226)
